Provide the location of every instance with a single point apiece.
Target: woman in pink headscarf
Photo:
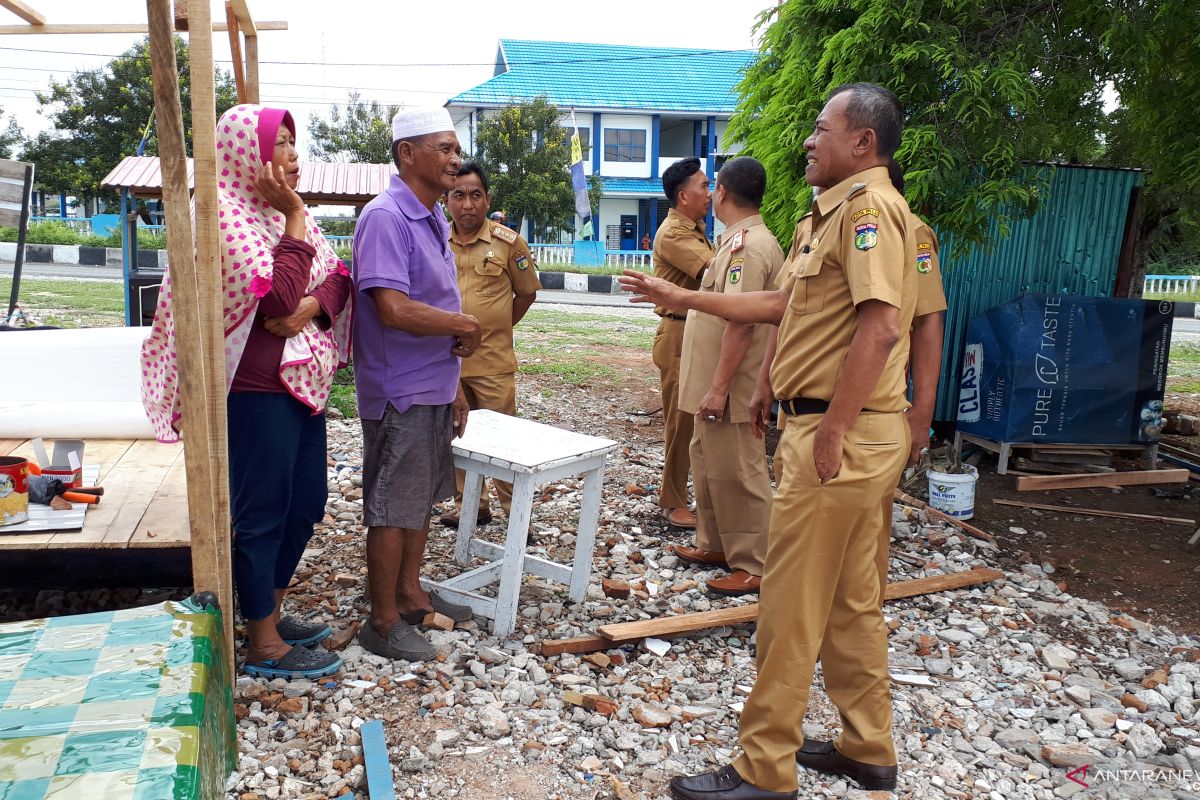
(286, 322)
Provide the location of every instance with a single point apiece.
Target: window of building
(621, 144)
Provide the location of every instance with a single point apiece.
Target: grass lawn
(1178, 297)
(70, 303)
(1183, 374)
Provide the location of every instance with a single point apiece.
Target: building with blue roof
(643, 107)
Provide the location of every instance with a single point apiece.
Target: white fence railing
(1171, 284)
(549, 255)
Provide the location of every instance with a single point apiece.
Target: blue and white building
(639, 109)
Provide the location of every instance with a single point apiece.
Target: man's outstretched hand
(649, 289)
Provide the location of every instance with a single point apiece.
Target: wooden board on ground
(8, 445)
(1139, 478)
(1095, 512)
(687, 623)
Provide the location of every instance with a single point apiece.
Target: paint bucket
(14, 490)
(954, 494)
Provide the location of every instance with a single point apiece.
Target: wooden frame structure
(194, 254)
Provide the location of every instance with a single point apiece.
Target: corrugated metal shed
(1070, 246)
(321, 182)
(625, 78)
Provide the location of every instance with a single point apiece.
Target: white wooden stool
(524, 453)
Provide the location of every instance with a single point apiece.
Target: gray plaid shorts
(407, 466)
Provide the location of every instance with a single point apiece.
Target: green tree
(526, 154)
(360, 132)
(1154, 46)
(99, 116)
(11, 137)
(987, 86)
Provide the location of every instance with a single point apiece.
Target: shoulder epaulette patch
(504, 233)
(739, 241)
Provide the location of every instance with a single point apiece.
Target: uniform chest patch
(866, 235)
(862, 212)
(523, 261)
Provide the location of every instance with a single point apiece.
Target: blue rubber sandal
(294, 631)
(300, 662)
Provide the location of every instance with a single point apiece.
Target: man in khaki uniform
(681, 251)
(498, 281)
(717, 376)
(840, 374)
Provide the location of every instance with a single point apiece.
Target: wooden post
(235, 50)
(197, 306)
(181, 15)
(251, 68)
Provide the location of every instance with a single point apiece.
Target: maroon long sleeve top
(258, 371)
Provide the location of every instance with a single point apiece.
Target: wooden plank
(251, 68)
(580, 644)
(941, 583)
(909, 500)
(1084, 481)
(235, 50)
(1095, 512)
(165, 523)
(8, 445)
(143, 470)
(201, 343)
(245, 21)
(216, 27)
(24, 12)
(687, 623)
(105, 453)
(12, 170)
(12, 192)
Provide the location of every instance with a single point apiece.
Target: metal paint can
(14, 490)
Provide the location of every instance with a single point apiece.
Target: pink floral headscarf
(249, 229)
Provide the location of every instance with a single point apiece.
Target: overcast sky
(418, 53)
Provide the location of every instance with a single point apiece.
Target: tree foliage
(359, 132)
(987, 86)
(11, 137)
(526, 154)
(1155, 57)
(99, 116)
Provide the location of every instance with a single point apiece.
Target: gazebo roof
(321, 182)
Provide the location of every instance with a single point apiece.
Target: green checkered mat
(121, 705)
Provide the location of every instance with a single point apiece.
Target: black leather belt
(674, 317)
(796, 406)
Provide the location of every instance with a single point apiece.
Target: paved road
(69, 271)
(1185, 330)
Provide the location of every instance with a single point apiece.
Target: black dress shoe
(824, 757)
(724, 784)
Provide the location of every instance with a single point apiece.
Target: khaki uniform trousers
(820, 598)
(733, 493)
(677, 426)
(493, 393)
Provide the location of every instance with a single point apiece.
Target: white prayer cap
(420, 121)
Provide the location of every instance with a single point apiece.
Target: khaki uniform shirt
(681, 251)
(493, 268)
(931, 298)
(748, 259)
(863, 247)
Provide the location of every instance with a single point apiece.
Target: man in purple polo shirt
(409, 333)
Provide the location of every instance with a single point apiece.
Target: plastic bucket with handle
(954, 494)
